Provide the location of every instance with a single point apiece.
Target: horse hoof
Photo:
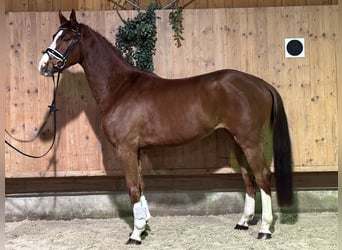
(144, 234)
(133, 242)
(264, 236)
(240, 227)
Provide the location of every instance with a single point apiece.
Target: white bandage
(136, 234)
(144, 205)
(139, 214)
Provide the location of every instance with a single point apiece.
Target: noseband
(63, 57)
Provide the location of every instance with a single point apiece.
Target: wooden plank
(216, 4)
(42, 5)
(15, 126)
(232, 30)
(232, 182)
(339, 97)
(18, 5)
(165, 47)
(288, 87)
(67, 5)
(323, 84)
(256, 44)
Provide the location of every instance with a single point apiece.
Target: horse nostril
(43, 70)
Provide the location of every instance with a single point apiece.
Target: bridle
(63, 57)
(52, 108)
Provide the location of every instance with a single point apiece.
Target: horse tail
(281, 151)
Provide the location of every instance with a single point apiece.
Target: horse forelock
(70, 25)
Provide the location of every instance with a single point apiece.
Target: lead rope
(53, 110)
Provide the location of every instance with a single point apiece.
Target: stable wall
(251, 40)
(39, 5)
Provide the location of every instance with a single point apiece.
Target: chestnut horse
(140, 109)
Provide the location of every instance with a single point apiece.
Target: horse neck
(106, 71)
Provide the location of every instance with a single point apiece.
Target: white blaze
(45, 57)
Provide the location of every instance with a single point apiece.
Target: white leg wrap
(141, 215)
(267, 216)
(248, 212)
(136, 234)
(144, 205)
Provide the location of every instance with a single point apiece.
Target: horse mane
(108, 44)
(112, 48)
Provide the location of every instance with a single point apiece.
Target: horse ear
(73, 18)
(62, 18)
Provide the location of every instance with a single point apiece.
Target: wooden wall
(250, 40)
(43, 5)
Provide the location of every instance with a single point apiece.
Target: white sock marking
(267, 216)
(248, 212)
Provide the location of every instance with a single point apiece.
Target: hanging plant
(176, 22)
(136, 40)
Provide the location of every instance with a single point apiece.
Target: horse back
(157, 111)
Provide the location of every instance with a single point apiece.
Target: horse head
(64, 50)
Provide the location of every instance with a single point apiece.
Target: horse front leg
(135, 185)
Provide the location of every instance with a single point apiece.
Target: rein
(61, 58)
(53, 110)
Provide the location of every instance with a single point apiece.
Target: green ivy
(136, 40)
(176, 22)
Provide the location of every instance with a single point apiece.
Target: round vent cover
(294, 47)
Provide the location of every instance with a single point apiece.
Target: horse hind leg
(249, 208)
(135, 185)
(262, 174)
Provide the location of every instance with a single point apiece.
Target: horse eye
(65, 39)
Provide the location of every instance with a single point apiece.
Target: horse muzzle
(48, 65)
(45, 67)
(47, 71)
